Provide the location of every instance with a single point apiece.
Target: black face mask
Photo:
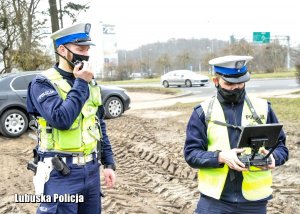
(77, 58)
(231, 96)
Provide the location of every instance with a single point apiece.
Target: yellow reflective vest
(84, 133)
(211, 181)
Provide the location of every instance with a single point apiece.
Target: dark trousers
(83, 180)
(208, 205)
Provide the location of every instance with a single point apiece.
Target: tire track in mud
(152, 176)
(286, 195)
(286, 180)
(15, 178)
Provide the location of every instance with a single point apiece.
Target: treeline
(23, 25)
(194, 54)
(22, 29)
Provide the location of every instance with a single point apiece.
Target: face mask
(77, 58)
(231, 96)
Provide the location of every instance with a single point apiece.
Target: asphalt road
(259, 86)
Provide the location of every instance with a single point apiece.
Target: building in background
(104, 55)
(110, 53)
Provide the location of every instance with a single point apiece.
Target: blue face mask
(231, 96)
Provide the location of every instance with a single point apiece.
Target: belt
(82, 160)
(77, 159)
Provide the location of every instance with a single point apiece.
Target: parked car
(13, 92)
(183, 77)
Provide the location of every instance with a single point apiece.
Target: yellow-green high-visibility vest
(211, 181)
(84, 133)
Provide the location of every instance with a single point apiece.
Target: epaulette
(40, 78)
(199, 110)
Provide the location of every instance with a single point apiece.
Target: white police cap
(232, 68)
(78, 34)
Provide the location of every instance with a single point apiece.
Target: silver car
(183, 77)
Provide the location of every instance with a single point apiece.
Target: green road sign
(261, 37)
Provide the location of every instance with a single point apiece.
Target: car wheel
(13, 123)
(188, 83)
(166, 84)
(113, 107)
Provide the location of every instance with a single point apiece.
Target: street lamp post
(210, 56)
(149, 66)
(288, 59)
(125, 58)
(199, 66)
(210, 50)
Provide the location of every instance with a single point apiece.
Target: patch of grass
(296, 92)
(181, 106)
(157, 90)
(254, 75)
(286, 109)
(286, 74)
(138, 81)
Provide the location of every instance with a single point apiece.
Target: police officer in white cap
(225, 183)
(71, 130)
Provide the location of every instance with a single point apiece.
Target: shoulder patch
(45, 94)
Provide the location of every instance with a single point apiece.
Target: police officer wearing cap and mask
(71, 132)
(225, 184)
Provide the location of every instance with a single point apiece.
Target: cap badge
(87, 28)
(239, 64)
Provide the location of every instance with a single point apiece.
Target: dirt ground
(152, 176)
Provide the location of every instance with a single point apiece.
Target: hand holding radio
(83, 70)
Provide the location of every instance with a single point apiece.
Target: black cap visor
(237, 79)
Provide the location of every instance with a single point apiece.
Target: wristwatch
(110, 166)
(217, 153)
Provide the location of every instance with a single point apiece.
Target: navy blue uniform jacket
(43, 100)
(197, 156)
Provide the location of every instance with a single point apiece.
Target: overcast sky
(141, 22)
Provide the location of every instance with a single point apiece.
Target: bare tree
(21, 32)
(54, 19)
(298, 72)
(241, 47)
(271, 58)
(8, 35)
(72, 10)
(183, 54)
(31, 31)
(164, 63)
(183, 60)
(25, 18)
(53, 15)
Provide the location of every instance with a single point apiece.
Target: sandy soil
(152, 176)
